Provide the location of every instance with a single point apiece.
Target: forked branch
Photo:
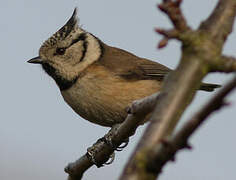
(220, 23)
(201, 54)
(167, 150)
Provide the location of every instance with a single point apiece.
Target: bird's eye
(60, 51)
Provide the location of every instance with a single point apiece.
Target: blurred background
(40, 134)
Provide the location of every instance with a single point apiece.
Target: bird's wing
(131, 67)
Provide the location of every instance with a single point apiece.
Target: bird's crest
(70, 27)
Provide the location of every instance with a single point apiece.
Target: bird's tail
(209, 87)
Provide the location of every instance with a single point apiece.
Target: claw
(121, 147)
(113, 146)
(111, 159)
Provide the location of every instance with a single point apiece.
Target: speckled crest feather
(70, 27)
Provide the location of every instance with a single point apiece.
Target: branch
(219, 24)
(173, 11)
(136, 114)
(167, 150)
(199, 56)
(226, 64)
(168, 34)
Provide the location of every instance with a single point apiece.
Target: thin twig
(173, 11)
(168, 34)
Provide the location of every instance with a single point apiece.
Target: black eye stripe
(81, 37)
(85, 46)
(61, 51)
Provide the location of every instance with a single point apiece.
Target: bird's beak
(35, 60)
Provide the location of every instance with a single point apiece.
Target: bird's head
(68, 52)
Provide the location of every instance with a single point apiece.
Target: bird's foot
(120, 147)
(108, 139)
(111, 159)
(92, 152)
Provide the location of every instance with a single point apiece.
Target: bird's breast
(101, 97)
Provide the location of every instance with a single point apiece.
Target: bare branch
(179, 91)
(168, 34)
(172, 9)
(199, 56)
(138, 110)
(166, 151)
(220, 23)
(225, 64)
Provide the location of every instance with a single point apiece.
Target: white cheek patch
(93, 50)
(66, 70)
(92, 54)
(75, 53)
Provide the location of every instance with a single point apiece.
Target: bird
(96, 80)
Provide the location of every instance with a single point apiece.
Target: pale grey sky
(40, 134)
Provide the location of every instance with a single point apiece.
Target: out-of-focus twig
(166, 151)
(201, 54)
